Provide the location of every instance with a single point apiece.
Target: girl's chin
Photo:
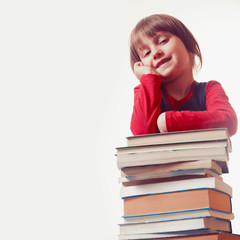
(164, 73)
(167, 74)
(167, 79)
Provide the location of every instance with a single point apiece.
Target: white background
(66, 98)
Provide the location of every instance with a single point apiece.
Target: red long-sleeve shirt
(217, 112)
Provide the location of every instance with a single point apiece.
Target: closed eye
(163, 41)
(146, 53)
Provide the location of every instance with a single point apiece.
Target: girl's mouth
(164, 60)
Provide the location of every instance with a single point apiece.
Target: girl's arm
(146, 109)
(219, 113)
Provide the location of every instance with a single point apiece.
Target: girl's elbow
(233, 126)
(141, 129)
(137, 130)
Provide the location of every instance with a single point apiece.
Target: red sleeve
(146, 109)
(219, 113)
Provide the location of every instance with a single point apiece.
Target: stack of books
(172, 186)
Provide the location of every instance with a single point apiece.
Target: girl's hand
(161, 123)
(139, 69)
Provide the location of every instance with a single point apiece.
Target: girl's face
(167, 54)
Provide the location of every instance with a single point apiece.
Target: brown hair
(153, 24)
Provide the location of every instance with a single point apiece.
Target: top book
(212, 134)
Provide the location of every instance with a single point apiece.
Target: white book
(181, 137)
(193, 224)
(219, 154)
(159, 217)
(171, 146)
(174, 186)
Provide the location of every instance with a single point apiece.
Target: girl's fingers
(138, 64)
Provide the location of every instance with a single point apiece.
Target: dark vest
(195, 102)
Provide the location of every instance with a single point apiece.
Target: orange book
(220, 236)
(177, 201)
(216, 236)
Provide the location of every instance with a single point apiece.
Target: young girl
(163, 52)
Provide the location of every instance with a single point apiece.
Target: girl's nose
(157, 54)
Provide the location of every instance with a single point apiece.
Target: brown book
(177, 201)
(169, 176)
(137, 172)
(215, 236)
(131, 176)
